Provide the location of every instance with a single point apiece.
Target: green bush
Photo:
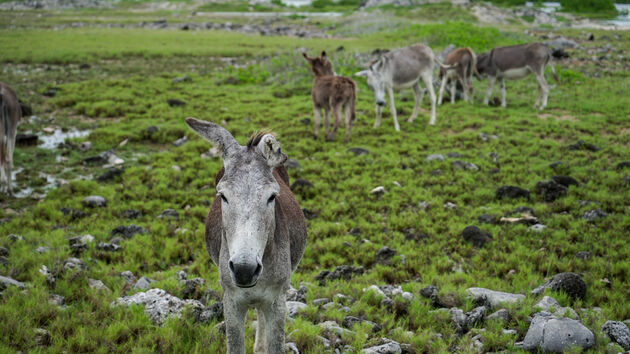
(588, 6)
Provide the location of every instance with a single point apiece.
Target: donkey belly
(515, 73)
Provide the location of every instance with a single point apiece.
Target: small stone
(174, 102)
(211, 313)
(378, 191)
(127, 231)
(321, 301)
(41, 337)
(128, 276)
(74, 263)
(85, 146)
(56, 300)
(583, 255)
(5, 282)
(538, 227)
(407, 296)
(384, 255)
(570, 283)
(142, 284)
(450, 206)
(583, 145)
(42, 249)
(475, 236)
(424, 205)
(184, 78)
(594, 215)
(436, 157)
(159, 305)
(109, 247)
(97, 285)
(169, 213)
(511, 192)
(14, 237)
(293, 307)
(291, 348)
(357, 151)
(494, 298)
(487, 219)
(429, 292)
(618, 332)
(622, 165)
(131, 214)
(94, 201)
(390, 347)
(502, 315)
(181, 141)
(550, 190)
(509, 332)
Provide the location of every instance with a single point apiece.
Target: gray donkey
(255, 234)
(10, 116)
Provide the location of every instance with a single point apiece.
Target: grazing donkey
(11, 114)
(255, 234)
(332, 93)
(463, 62)
(398, 69)
(516, 62)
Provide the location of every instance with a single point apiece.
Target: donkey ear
(306, 56)
(214, 134)
(363, 73)
(323, 54)
(270, 149)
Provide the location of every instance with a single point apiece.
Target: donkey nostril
(231, 265)
(258, 270)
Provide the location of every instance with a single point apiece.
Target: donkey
(332, 93)
(11, 115)
(516, 62)
(255, 234)
(398, 69)
(464, 65)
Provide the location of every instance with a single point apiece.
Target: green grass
(125, 91)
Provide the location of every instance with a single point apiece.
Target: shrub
(588, 6)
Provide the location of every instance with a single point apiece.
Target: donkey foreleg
(442, 86)
(379, 112)
(317, 120)
(348, 116)
(428, 82)
(502, 85)
(275, 314)
(417, 97)
(542, 85)
(453, 87)
(260, 343)
(392, 107)
(337, 114)
(234, 324)
(489, 90)
(326, 120)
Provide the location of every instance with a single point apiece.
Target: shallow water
(624, 17)
(59, 136)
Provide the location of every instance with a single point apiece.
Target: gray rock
(182, 276)
(291, 348)
(142, 284)
(94, 201)
(429, 292)
(74, 263)
(41, 337)
(109, 247)
(56, 300)
(464, 165)
(50, 278)
(5, 282)
(583, 255)
(494, 297)
(407, 296)
(128, 276)
(14, 237)
(97, 285)
(594, 215)
(502, 315)
(85, 146)
(321, 301)
(299, 294)
(437, 157)
(169, 213)
(538, 227)
(358, 151)
(391, 347)
(487, 219)
(458, 317)
(511, 332)
(158, 304)
(293, 307)
(561, 43)
(475, 316)
(550, 334)
(333, 327)
(4, 252)
(350, 321)
(181, 141)
(384, 255)
(211, 313)
(570, 283)
(475, 236)
(547, 303)
(450, 206)
(42, 249)
(617, 332)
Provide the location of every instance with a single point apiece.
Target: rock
(85, 146)
(429, 292)
(297, 295)
(617, 332)
(293, 307)
(211, 313)
(56, 300)
(463, 165)
(341, 272)
(350, 321)
(550, 334)
(411, 235)
(550, 190)
(193, 288)
(51, 91)
(110, 174)
(487, 219)
(376, 290)
(565, 181)
(131, 213)
(622, 165)
(151, 130)
(301, 183)
(4, 252)
(5, 282)
(94, 201)
(547, 303)
(525, 219)
(97, 285)
(494, 298)
(511, 192)
(475, 236)
(390, 347)
(571, 283)
(378, 191)
(143, 284)
(561, 43)
(26, 140)
(594, 215)
(450, 206)
(485, 137)
(174, 102)
(510, 332)
(169, 213)
(291, 348)
(583, 255)
(184, 78)
(333, 327)
(391, 290)
(458, 318)
(321, 301)
(181, 141)
(502, 315)
(357, 151)
(424, 205)
(384, 255)
(128, 276)
(538, 227)
(127, 231)
(158, 304)
(475, 317)
(41, 337)
(436, 157)
(407, 296)
(583, 145)
(14, 237)
(74, 263)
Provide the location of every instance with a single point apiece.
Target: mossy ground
(124, 91)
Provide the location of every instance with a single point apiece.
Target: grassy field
(247, 82)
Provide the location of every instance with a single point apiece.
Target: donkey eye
(271, 199)
(224, 199)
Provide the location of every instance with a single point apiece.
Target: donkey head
(376, 78)
(248, 196)
(321, 65)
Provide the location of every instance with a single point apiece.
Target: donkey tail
(444, 66)
(474, 64)
(353, 100)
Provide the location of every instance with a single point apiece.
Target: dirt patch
(563, 117)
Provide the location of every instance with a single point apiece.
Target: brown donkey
(463, 62)
(332, 93)
(10, 114)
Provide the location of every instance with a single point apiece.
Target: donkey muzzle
(245, 270)
(380, 103)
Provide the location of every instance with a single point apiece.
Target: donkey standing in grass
(463, 62)
(332, 93)
(399, 69)
(255, 234)
(10, 114)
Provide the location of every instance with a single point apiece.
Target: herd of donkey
(255, 231)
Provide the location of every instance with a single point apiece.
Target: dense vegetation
(247, 82)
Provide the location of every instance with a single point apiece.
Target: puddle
(624, 15)
(51, 182)
(51, 141)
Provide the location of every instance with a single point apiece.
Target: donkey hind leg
(348, 117)
(502, 85)
(275, 314)
(392, 107)
(418, 93)
(542, 85)
(337, 115)
(317, 120)
(260, 344)
(234, 325)
(489, 90)
(427, 78)
(326, 120)
(379, 113)
(453, 87)
(442, 86)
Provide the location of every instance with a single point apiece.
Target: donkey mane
(257, 136)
